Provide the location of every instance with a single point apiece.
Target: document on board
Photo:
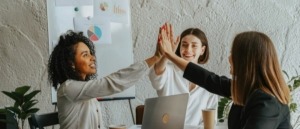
(73, 2)
(115, 10)
(96, 30)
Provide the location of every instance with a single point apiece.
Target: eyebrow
(192, 42)
(84, 52)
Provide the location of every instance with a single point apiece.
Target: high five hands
(167, 46)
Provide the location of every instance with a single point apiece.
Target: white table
(223, 126)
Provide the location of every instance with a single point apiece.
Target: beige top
(77, 105)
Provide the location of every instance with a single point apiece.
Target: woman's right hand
(168, 47)
(166, 40)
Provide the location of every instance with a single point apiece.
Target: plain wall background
(24, 42)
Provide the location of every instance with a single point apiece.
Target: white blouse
(171, 82)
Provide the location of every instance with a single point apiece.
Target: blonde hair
(256, 66)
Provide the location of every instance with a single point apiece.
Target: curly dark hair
(61, 59)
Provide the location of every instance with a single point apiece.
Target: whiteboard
(110, 57)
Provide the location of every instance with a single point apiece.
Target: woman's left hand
(166, 40)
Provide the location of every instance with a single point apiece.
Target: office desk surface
(186, 127)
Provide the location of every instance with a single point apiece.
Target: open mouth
(93, 66)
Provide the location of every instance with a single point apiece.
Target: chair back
(43, 120)
(8, 117)
(139, 112)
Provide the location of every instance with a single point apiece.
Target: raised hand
(170, 36)
(157, 51)
(166, 39)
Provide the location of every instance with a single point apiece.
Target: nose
(93, 58)
(189, 48)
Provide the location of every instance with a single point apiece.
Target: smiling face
(191, 48)
(84, 60)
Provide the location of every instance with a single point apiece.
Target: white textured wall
(24, 46)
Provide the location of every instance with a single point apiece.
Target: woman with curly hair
(72, 71)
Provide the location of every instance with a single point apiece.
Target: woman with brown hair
(166, 78)
(258, 90)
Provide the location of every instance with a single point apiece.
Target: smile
(93, 66)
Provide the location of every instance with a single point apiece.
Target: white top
(77, 105)
(171, 82)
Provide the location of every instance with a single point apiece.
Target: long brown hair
(256, 66)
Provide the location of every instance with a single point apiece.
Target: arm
(152, 60)
(158, 74)
(181, 63)
(160, 66)
(113, 83)
(208, 80)
(155, 58)
(158, 82)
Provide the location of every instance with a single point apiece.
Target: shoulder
(263, 103)
(69, 82)
(259, 96)
(71, 85)
(264, 111)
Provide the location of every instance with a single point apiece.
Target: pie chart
(94, 33)
(103, 6)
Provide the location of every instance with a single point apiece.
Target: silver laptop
(167, 112)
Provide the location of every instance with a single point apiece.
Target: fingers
(168, 27)
(161, 47)
(175, 44)
(164, 35)
(166, 43)
(158, 52)
(168, 30)
(166, 40)
(159, 35)
(177, 40)
(171, 33)
(164, 26)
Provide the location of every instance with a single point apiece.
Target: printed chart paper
(73, 2)
(97, 31)
(115, 10)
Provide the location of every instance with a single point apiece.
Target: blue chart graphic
(94, 33)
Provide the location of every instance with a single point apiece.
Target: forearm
(152, 60)
(208, 80)
(180, 62)
(113, 83)
(160, 66)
